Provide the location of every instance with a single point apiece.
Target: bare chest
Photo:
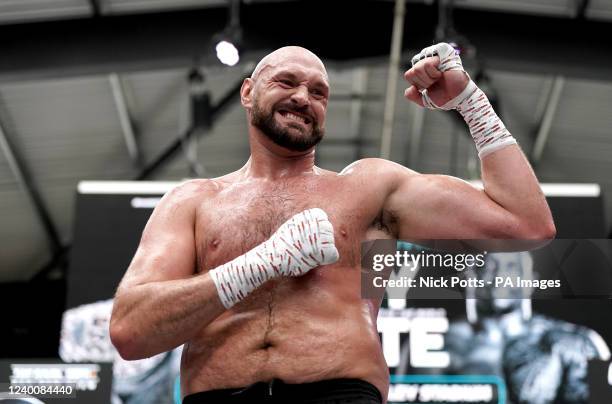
(243, 216)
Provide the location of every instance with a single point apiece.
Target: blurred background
(140, 90)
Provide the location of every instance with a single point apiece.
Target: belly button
(343, 233)
(214, 243)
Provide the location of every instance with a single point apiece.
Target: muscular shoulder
(192, 190)
(375, 166)
(185, 197)
(379, 172)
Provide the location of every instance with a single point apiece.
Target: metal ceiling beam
(547, 119)
(393, 71)
(581, 8)
(359, 89)
(416, 134)
(24, 180)
(111, 44)
(96, 8)
(58, 260)
(127, 128)
(542, 102)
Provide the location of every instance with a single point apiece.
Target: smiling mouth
(295, 117)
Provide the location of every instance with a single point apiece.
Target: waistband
(277, 390)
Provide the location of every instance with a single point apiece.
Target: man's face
(289, 104)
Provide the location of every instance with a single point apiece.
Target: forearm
(156, 317)
(507, 176)
(509, 180)
(153, 317)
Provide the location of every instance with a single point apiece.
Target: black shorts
(334, 391)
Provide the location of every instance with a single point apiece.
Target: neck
(270, 161)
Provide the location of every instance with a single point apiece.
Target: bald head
(286, 98)
(285, 55)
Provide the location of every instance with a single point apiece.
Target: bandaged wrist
(303, 242)
(487, 129)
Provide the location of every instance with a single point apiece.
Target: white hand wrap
(487, 130)
(303, 242)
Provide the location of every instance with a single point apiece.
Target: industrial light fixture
(228, 42)
(227, 52)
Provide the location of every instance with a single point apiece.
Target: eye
(286, 83)
(318, 93)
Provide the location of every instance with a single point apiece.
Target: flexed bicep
(442, 207)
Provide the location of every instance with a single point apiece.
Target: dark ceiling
(336, 30)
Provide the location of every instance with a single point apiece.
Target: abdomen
(296, 329)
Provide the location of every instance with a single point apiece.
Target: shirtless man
(257, 272)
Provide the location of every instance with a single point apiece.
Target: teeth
(295, 117)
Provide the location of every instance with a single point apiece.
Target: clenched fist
(438, 70)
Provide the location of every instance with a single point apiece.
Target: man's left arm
(511, 205)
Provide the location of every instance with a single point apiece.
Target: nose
(300, 96)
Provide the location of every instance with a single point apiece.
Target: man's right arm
(160, 298)
(161, 304)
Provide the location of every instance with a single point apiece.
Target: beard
(282, 135)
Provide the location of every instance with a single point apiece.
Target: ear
(246, 93)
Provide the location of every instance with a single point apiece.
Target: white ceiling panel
(7, 181)
(539, 7)
(12, 11)
(146, 6)
(66, 128)
(600, 10)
